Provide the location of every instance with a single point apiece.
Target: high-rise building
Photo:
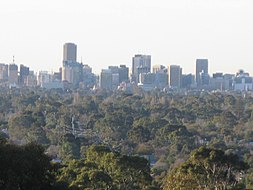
(30, 80)
(13, 74)
(23, 72)
(201, 71)
(89, 79)
(175, 76)
(105, 80)
(72, 71)
(242, 81)
(119, 75)
(187, 81)
(69, 52)
(140, 64)
(43, 78)
(3, 72)
(57, 76)
(123, 73)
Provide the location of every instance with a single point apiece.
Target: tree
(207, 169)
(24, 167)
(139, 134)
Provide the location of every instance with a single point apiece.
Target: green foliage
(166, 126)
(103, 169)
(24, 167)
(207, 169)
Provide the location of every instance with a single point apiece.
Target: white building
(43, 78)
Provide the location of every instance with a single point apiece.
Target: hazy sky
(110, 32)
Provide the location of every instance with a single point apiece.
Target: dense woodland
(115, 140)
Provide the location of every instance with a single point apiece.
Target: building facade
(3, 72)
(201, 72)
(13, 74)
(175, 76)
(105, 79)
(69, 52)
(72, 71)
(140, 64)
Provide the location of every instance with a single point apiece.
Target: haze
(110, 32)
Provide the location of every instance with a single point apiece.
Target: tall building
(242, 81)
(57, 76)
(140, 64)
(119, 75)
(30, 80)
(105, 80)
(201, 71)
(115, 76)
(3, 72)
(23, 72)
(13, 74)
(89, 79)
(175, 76)
(123, 73)
(69, 52)
(72, 71)
(43, 78)
(187, 81)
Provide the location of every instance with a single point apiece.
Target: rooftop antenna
(81, 59)
(13, 59)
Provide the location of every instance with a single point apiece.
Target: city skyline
(97, 70)
(111, 32)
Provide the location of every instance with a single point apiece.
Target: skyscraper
(23, 72)
(69, 52)
(140, 64)
(72, 71)
(201, 70)
(13, 74)
(123, 73)
(175, 76)
(105, 80)
(3, 72)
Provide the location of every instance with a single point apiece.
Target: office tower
(242, 81)
(3, 72)
(201, 72)
(43, 78)
(89, 79)
(115, 76)
(140, 64)
(30, 80)
(23, 72)
(13, 74)
(175, 76)
(123, 73)
(187, 81)
(57, 76)
(105, 80)
(72, 71)
(69, 52)
(161, 79)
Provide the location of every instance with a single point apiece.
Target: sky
(111, 32)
